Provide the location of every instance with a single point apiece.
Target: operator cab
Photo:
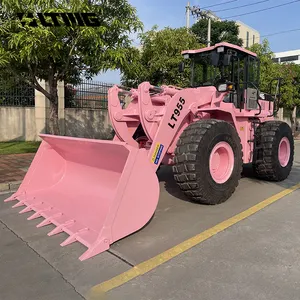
(230, 69)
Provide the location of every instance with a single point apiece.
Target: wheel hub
(221, 162)
(284, 150)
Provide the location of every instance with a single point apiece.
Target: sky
(171, 13)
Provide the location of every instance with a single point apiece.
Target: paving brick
(13, 167)
(4, 187)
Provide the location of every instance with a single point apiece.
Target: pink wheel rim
(284, 151)
(221, 162)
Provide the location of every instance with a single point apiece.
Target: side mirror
(227, 60)
(181, 67)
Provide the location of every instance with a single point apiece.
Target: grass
(18, 147)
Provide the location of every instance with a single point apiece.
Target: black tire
(191, 161)
(266, 163)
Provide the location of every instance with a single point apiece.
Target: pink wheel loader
(99, 191)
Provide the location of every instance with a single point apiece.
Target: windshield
(203, 73)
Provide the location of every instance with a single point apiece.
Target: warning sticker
(157, 153)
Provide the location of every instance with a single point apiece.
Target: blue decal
(161, 147)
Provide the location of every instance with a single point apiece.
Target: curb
(10, 186)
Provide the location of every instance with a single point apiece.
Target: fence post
(280, 114)
(61, 106)
(42, 106)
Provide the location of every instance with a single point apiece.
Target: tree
(290, 90)
(158, 58)
(221, 31)
(290, 74)
(268, 69)
(66, 53)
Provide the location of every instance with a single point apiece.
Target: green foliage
(290, 89)
(269, 70)
(65, 52)
(158, 58)
(221, 31)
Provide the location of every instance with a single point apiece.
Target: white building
(292, 56)
(248, 34)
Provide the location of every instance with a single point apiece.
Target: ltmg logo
(68, 19)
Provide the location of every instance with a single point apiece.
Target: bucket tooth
(73, 237)
(20, 203)
(26, 209)
(34, 216)
(61, 228)
(16, 196)
(48, 220)
(44, 223)
(39, 210)
(32, 206)
(98, 248)
(88, 254)
(12, 198)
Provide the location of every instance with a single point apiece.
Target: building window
(247, 39)
(275, 60)
(289, 58)
(253, 39)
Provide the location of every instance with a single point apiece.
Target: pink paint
(284, 152)
(205, 49)
(88, 189)
(91, 188)
(100, 191)
(221, 162)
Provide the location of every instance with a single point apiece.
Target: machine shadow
(165, 175)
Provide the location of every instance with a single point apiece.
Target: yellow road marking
(159, 259)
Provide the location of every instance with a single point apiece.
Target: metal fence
(16, 93)
(88, 94)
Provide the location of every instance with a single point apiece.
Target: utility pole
(187, 15)
(206, 14)
(209, 32)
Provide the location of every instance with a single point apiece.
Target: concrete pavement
(27, 275)
(29, 257)
(255, 259)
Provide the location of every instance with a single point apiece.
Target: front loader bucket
(96, 191)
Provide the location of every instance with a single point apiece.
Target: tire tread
(185, 169)
(265, 166)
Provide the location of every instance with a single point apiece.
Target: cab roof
(223, 44)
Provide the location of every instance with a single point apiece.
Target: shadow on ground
(165, 174)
